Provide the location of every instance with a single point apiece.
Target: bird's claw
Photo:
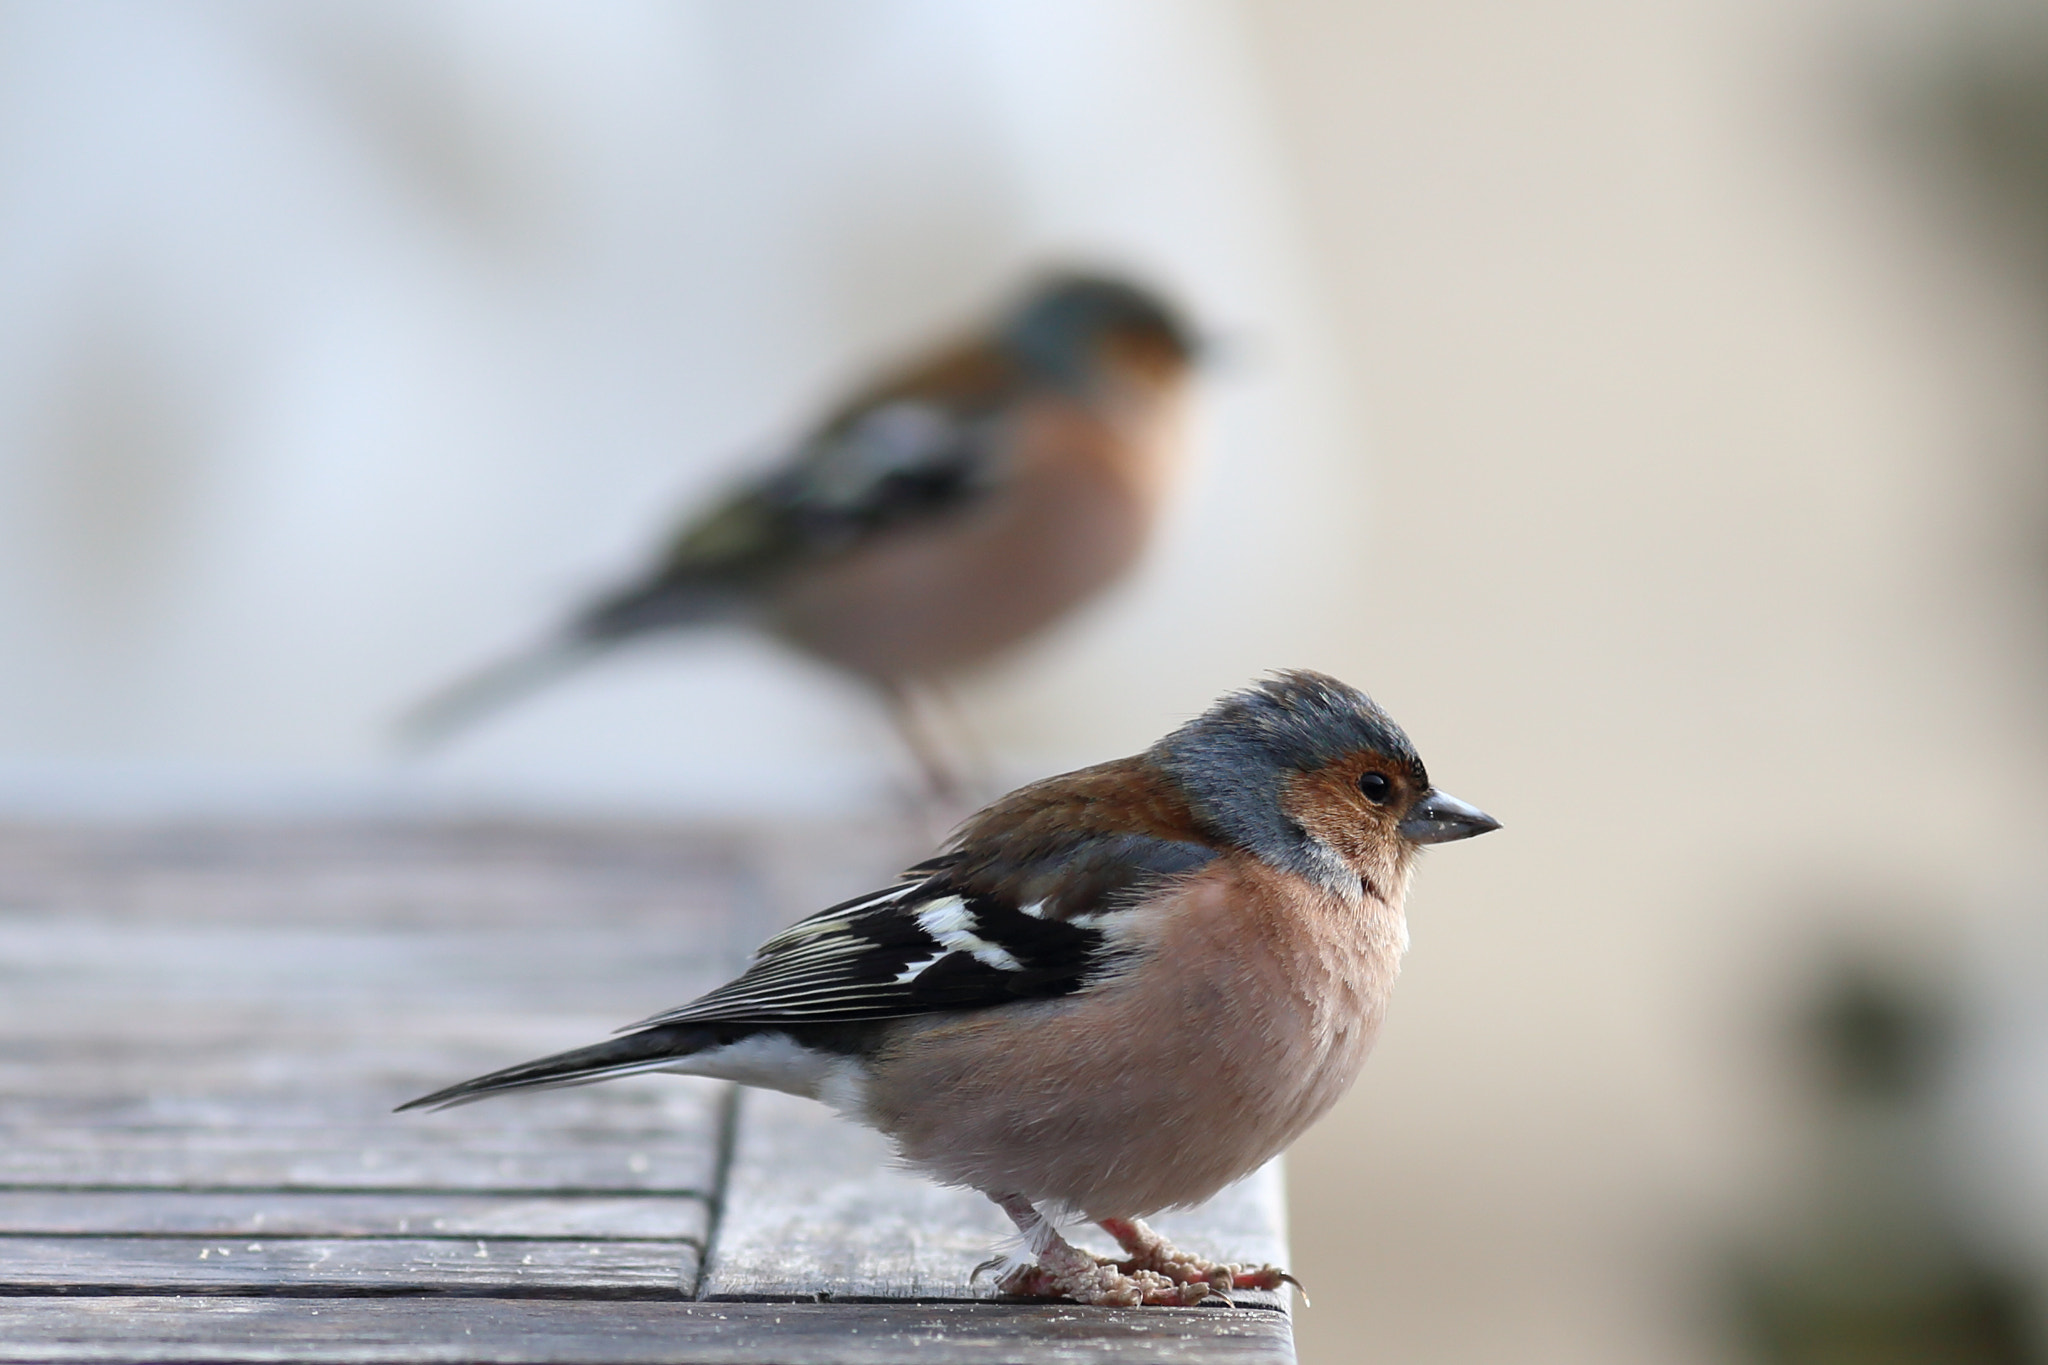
(1102, 1283)
(1148, 1251)
(1268, 1277)
(1152, 1271)
(1281, 1277)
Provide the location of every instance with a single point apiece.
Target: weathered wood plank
(260, 1067)
(373, 1159)
(429, 1213)
(270, 1265)
(383, 874)
(269, 1053)
(653, 1133)
(201, 1042)
(273, 1088)
(307, 974)
(229, 1331)
(813, 1204)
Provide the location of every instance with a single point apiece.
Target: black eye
(1377, 789)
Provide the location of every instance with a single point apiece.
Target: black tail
(648, 1050)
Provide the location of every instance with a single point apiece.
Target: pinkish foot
(1146, 1252)
(1100, 1283)
(1063, 1270)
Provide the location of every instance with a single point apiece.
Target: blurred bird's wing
(941, 941)
(902, 461)
(914, 451)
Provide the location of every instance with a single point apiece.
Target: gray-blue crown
(1054, 329)
(1233, 759)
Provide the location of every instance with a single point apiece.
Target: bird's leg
(1145, 1250)
(1059, 1269)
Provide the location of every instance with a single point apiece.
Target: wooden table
(203, 1031)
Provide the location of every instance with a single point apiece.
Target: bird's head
(1311, 776)
(1070, 328)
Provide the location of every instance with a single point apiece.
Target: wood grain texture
(456, 1331)
(495, 1157)
(815, 1205)
(202, 1035)
(381, 1265)
(358, 874)
(428, 1213)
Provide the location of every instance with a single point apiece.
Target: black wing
(945, 939)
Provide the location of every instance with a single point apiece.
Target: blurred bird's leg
(976, 770)
(1145, 1250)
(1059, 1269)
(910, 713)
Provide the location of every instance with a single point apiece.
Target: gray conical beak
(1440, 818)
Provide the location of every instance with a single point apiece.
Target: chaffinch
(1112, 992)
(941, 516)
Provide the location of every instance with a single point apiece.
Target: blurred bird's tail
(648, 1050)
(671, 600)
(471, 698)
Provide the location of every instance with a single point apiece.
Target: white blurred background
(1645, 402)
(350, 344)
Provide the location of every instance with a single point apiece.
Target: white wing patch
(950, 922)
(895, 438)
(915, 970)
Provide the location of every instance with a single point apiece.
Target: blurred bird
(1113, 992)
(946, 513)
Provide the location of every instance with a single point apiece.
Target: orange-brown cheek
(1326, 805)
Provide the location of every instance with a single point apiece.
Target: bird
(1111, 993)
(961, 504)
